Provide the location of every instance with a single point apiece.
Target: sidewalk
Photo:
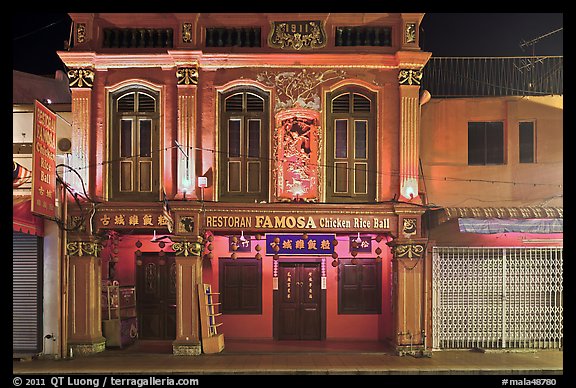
(335, 360)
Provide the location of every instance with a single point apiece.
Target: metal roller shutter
(26, 294)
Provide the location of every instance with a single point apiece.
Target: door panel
(156, 290)
(299, 301)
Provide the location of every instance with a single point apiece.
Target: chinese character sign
(44, 162)
(298, 244)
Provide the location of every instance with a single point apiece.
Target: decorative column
(409, 80)
(84, 297)
(187, 85)
(81, 82)
(188, 276)
(409, 266)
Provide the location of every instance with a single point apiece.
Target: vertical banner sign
(44, 162)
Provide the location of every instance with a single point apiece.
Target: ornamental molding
(410, 77)
(187, 75)
(83, 248)
(297, 35)
(81, 78)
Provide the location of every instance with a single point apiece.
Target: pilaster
(410, 264)
(188, 276)
(84, 297)
(81, 81)
(187, 85)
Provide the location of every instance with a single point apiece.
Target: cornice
(178, 58)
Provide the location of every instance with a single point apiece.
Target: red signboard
(44, 162)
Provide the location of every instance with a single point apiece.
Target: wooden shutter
(241, 286)
(359, 287)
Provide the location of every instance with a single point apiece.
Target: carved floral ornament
(81, 32)
(410, 77)
(81, 78)
(83, 248)
(409, 251)
(187, 76)
(298, 89)
(187, 248)
(410, 33)
(187, 32)
(409, 226)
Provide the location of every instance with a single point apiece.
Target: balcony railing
(494, 76)
(137, 38)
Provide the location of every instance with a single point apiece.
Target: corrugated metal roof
(29, 87)
(504, 212)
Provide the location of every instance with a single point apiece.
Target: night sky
(37, 36)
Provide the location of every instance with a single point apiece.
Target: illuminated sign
(44, 162)
(304, 221)
(131, 219)
(298, 244)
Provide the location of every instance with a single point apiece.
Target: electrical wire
(371, 171)
(39, 29)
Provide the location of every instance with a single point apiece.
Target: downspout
(63, 352)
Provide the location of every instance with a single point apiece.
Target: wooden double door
(299, 302)
(156, 297)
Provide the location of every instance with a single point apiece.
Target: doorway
(299, 313)
(156, 296)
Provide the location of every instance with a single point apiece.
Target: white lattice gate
(497, 297)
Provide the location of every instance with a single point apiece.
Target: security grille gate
(26, 294)
(497, 298)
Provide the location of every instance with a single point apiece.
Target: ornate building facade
(275, 157)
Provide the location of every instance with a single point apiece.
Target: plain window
(485, 143)
(526, 141)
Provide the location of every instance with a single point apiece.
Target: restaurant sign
(44, 162)
(299, 244)
(131, 219)
(311, 221)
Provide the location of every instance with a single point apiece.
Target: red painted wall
(344, 327)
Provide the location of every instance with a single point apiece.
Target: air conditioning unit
(64, 144)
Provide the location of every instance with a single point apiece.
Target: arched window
(351, 145)
(243, 157)
(135, 145)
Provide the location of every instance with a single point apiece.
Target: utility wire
(271, 160)
(38, 30)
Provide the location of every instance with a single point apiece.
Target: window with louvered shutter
(351, 174)
(244, 145)
(135, 145)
